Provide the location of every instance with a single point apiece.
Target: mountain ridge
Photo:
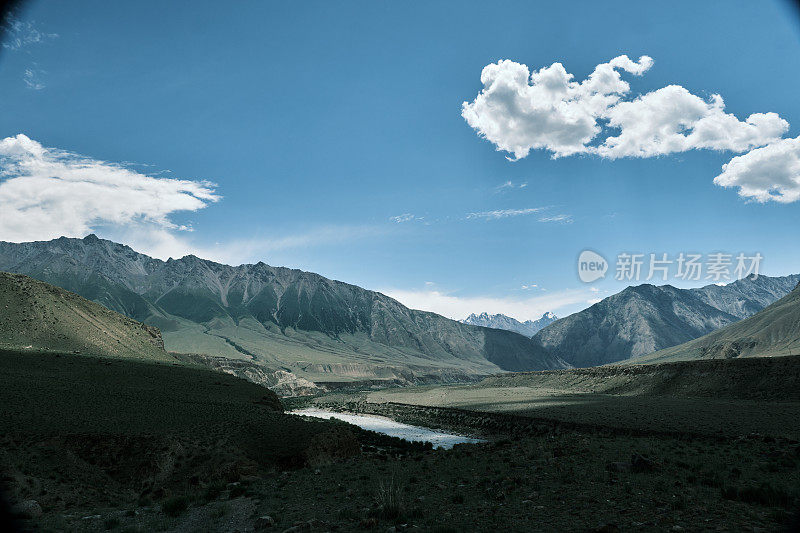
(529, 328)
(773, 331)
(646, 318)
(278, 317)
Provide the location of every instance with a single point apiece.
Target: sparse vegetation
(389, 499)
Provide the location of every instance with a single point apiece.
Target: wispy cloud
(405, 217)
(33, 78)
(458, 307)
(505, 213)
(163, 244)
(20, 34)
(510, 185)
(563, 219)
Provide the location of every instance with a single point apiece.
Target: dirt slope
(38, 316)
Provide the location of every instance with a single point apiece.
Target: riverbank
(667, 399)
(388, 426)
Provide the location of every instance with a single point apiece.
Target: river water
(389, 427)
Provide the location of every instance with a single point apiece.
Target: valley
(103, 429)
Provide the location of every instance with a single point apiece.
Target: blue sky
(333, 139)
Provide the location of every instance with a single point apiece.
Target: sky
(458, 157)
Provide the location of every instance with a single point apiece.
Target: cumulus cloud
(672, 119)
(46, 193)
(519, 111)
(768, 173)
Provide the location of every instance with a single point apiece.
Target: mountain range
(282, 320)
(646, 318)
(773, 331)
(529, 328)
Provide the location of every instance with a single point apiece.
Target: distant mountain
(529, 328)
(646, 318)
(772, 331)
(281, 319)
(38, 316)
(746, 297)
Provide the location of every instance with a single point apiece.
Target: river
(389, 427)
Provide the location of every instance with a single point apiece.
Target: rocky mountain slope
(283, 319)
(529, 328)
(746, 297)
(37, 316)
(773, 331)
(646, 318)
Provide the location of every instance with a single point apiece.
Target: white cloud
(46, 193)
(764, 174)
(19, 34)
(672, 120)
(505, 213)
(458, 307)
(519, 111)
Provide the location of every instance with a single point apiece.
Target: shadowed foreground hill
(38, 316)
(80, 432)
(773, 331)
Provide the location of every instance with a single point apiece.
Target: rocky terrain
(646, 318)
(529, 328)
(318, 329)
